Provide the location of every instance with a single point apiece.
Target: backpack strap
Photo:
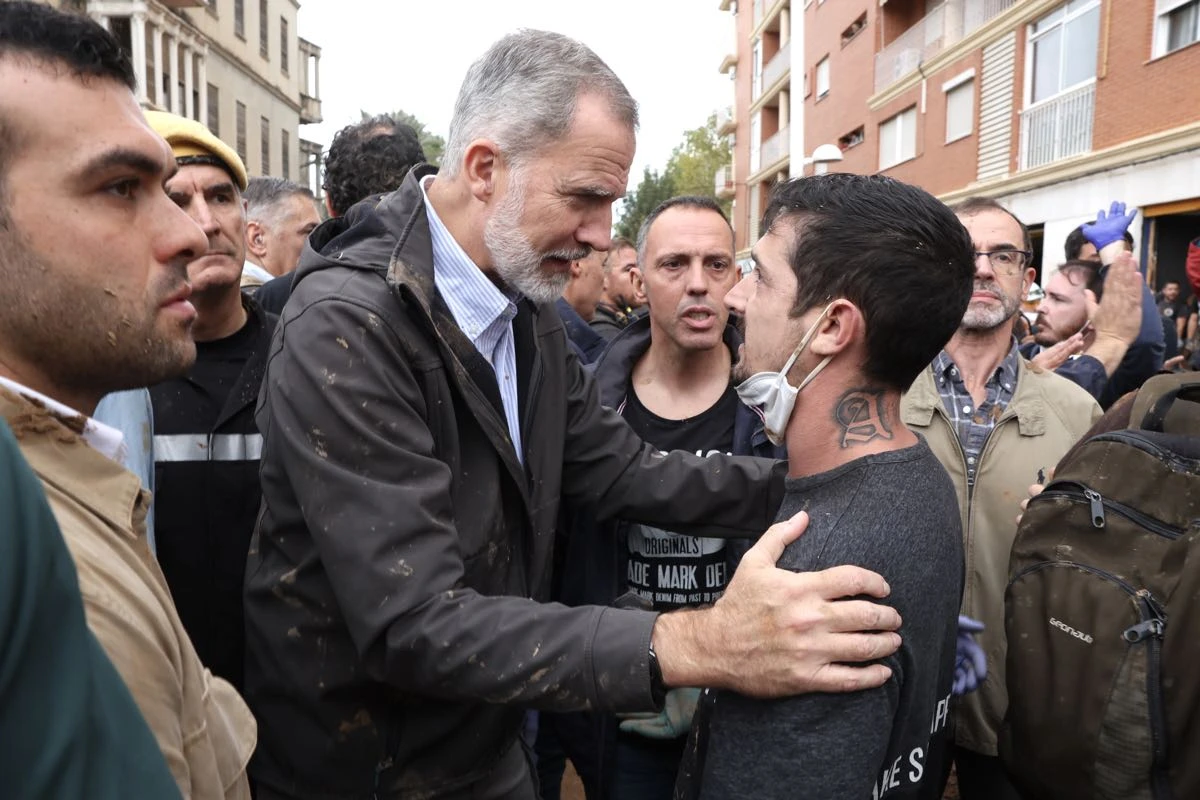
(1155, 407)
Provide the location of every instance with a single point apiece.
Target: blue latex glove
(1109, 228)
(970, 662)
(672, 722)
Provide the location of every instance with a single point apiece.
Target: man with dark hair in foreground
(826, 356)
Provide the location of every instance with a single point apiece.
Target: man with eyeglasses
(995, 422)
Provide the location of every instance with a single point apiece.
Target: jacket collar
(63, 459)
(614, 368)
(389, 235)
(1028, 404)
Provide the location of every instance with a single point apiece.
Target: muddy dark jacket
(393, 635)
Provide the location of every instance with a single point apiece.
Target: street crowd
(432, 497)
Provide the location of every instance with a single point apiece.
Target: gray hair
(265, 198)
(682, 201)
(522, 94)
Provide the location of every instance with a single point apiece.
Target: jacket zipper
(1152, 625)
(1078, 492)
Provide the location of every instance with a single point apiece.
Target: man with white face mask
(996, 423)
(827, 353)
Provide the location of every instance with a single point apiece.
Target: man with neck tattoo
(996, 422)
(827, 353)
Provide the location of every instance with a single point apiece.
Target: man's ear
(256, 239)
(480, 167)
(841, 328)
(1027, 281)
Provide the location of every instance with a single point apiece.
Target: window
(285, 151)
(852, 139)
(264, 39)
(1176, 25)
(266, 146)
(756, 68)
(214, 110)
(755, 142)
(854, 29)
(960, 107)
(241, 131)
(239, 18)
(283, 45)
(898, 138)
(212, 7)
(823, 77)
(1063, 45)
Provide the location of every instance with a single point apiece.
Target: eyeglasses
(1006, 262)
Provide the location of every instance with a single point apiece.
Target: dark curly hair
(367, 158)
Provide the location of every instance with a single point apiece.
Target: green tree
(431, 143)
(637, 205)
(694, 163)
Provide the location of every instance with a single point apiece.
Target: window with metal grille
(241, 131)
(264, 39)
(283, 45)
(285, 148)
(214, 110)
(266, 146)
(239, 18)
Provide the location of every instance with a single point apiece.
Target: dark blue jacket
(586, 343)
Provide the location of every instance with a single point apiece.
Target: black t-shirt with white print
(674, 570)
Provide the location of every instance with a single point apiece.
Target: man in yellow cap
(206, 445)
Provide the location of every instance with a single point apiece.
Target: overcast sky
(381, 55)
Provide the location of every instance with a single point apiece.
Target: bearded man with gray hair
(423, 419)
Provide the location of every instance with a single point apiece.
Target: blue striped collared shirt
(482, 311)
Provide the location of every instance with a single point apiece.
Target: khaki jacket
(1046, 416)
(206, 732)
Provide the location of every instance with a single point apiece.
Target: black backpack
(1102, 613)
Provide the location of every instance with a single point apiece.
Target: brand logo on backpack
(1065, 628)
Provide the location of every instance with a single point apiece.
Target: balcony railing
(776, 68)
(775, 148)
(1058, 128)
(941, 28)
(726, 122)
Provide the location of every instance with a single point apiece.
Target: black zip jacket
(395, 633)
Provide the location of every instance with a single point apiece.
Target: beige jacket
(1046, 416)
(204, 729)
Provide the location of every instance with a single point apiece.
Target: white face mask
(773, 395)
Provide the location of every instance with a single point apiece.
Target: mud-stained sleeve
(348, 417)
(607, 466)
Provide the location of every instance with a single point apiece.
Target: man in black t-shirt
(206, 444)
(827, 354)
(668, 375)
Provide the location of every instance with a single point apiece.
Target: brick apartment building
(237, 66)
(1053, 107)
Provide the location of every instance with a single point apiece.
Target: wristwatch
(658, 687)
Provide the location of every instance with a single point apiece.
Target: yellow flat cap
(194, 143)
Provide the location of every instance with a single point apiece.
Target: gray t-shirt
(894, 513)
